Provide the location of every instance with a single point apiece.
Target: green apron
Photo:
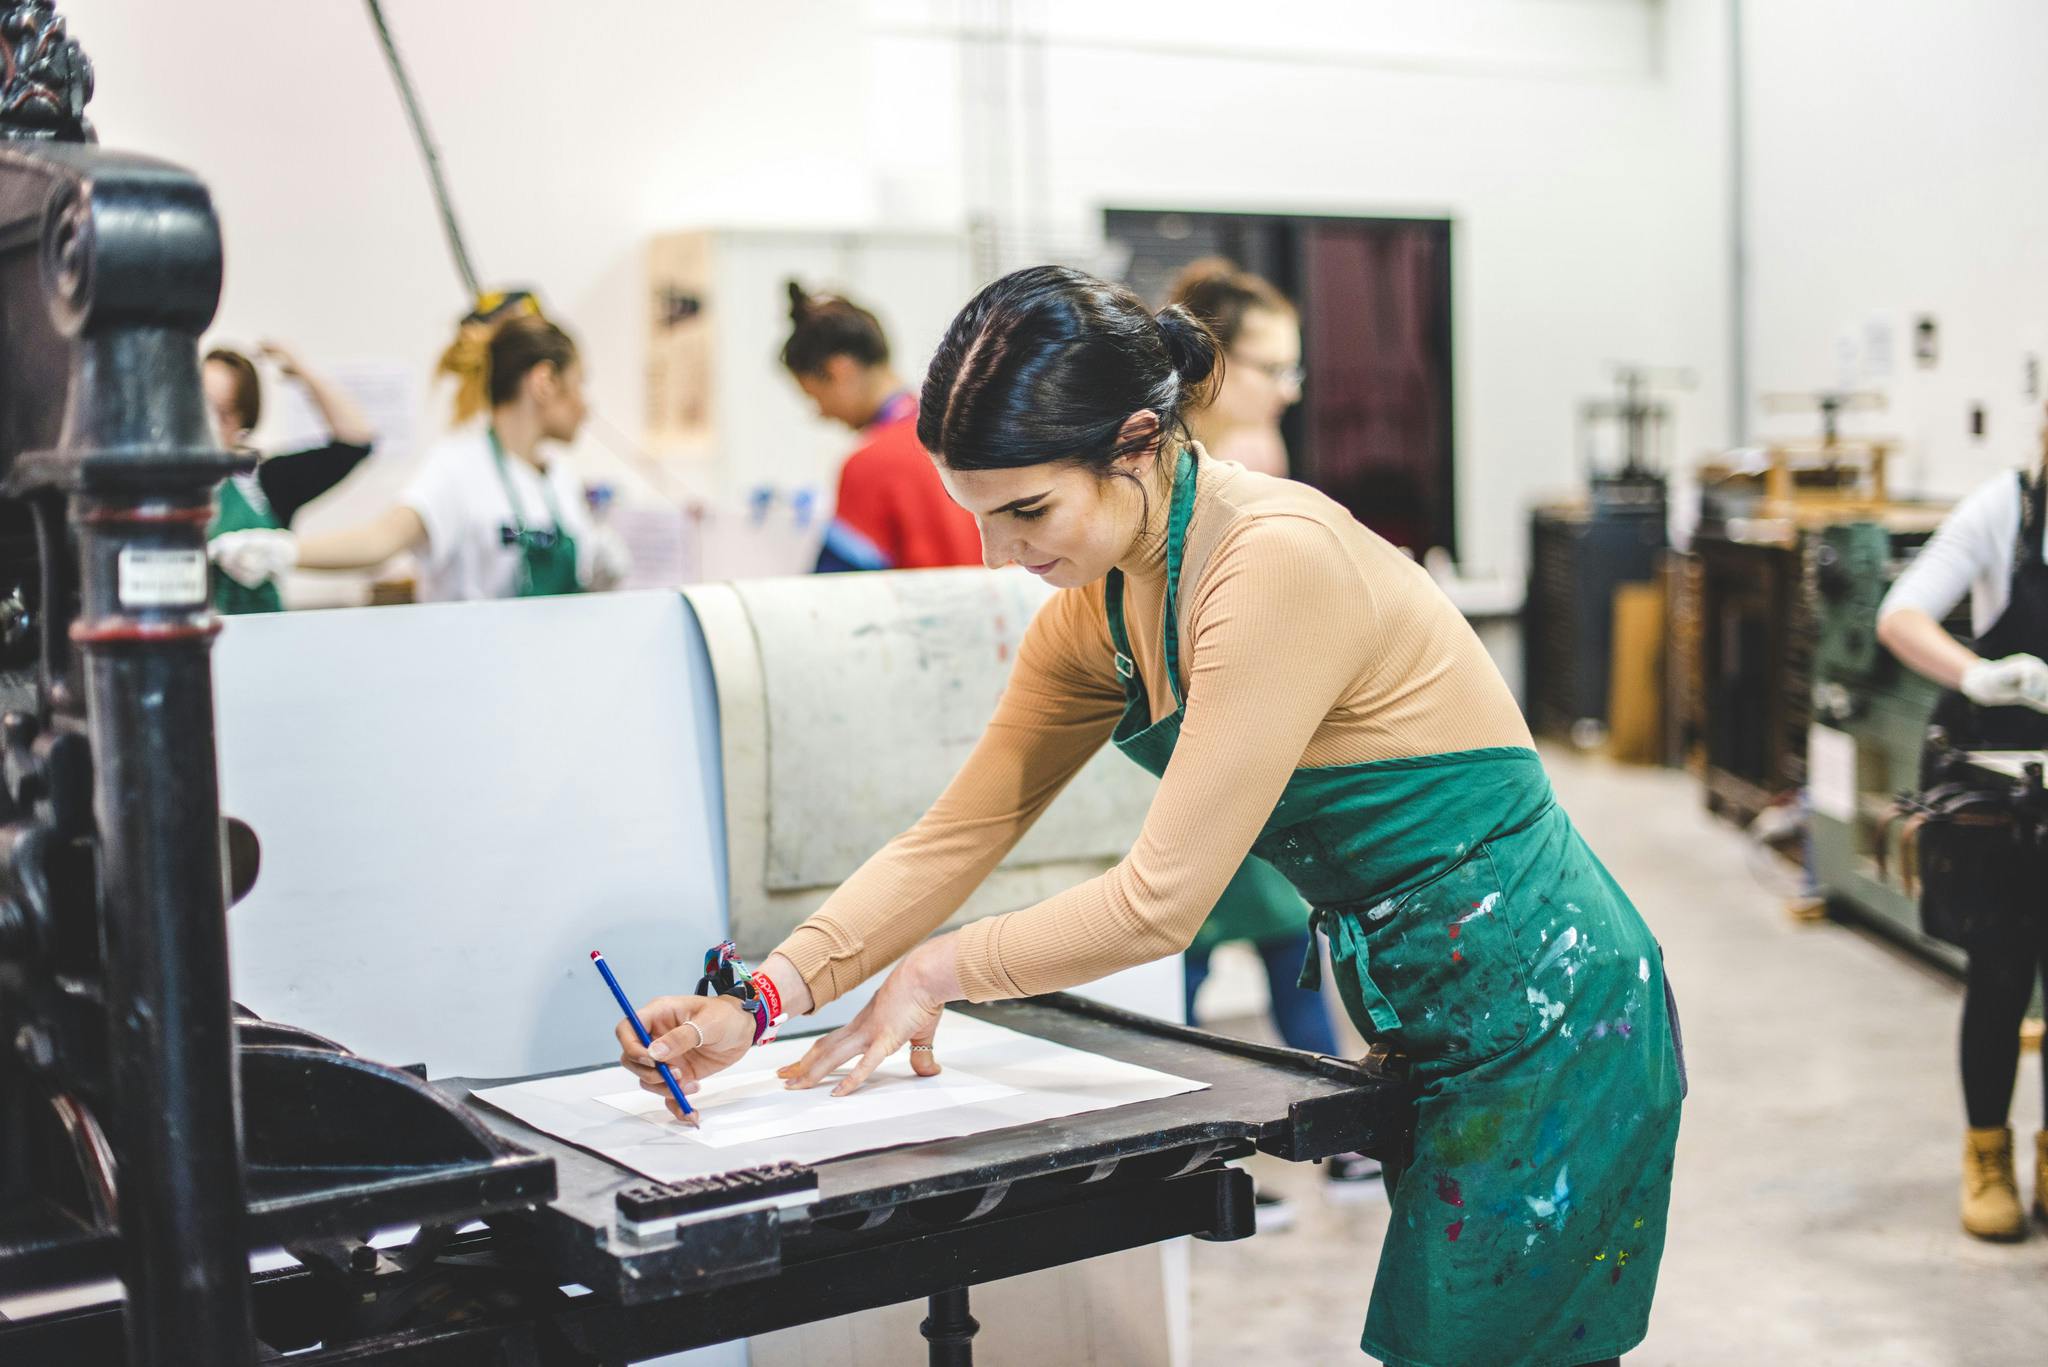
(547, 558)
(1475, 932)
(242, 507)
(1260, 905)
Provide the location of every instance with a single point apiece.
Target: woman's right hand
(2016, 680)
(694, 1036)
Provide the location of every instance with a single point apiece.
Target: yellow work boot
(1991, 1196)
(2041, 1175)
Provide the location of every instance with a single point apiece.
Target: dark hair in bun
(823, 326)
(1196, 350)
(1220, 293)
(1049, 363)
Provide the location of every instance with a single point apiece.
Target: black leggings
(2005, 960)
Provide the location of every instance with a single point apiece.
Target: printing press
(153, 1131)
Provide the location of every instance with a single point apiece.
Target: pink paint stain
(1454, 932)
(1448, 1191)
(1452, 1232)
(1516, 1164)
(1456, 957)
(1614, 1277)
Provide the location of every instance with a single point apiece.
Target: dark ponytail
(1049, 363)
(823, 326)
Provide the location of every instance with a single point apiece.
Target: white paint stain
(1381, 912)
(1485, 908)
(1643, 969)
(1546, 1009)
(1560, 949)
(1559, 1200)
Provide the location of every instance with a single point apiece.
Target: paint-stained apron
(1474, 931)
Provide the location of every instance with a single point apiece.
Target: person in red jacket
(892, 512)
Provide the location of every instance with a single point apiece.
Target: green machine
(1870, 717)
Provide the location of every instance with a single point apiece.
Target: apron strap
(1119, 638)
(1113, 590)
(547, 493)
(2033, 490)
(1177, 521)
(1344, 928)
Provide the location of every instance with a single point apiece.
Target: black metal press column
(131, 268)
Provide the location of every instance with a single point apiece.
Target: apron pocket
(1436, 974)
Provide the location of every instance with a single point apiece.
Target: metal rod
(428, 151)
(950, 1329)
(1738, 233)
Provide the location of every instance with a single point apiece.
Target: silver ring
(920, 1048)
(700, 1032)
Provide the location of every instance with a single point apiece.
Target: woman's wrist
(796, 993)
(935, 968)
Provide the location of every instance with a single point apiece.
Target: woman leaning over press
(1306, 692)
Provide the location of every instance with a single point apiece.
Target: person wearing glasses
(1261, 337)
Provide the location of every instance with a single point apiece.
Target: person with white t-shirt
(492, 512)
(1992, 548)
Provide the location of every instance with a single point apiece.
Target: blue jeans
(1297, 1013)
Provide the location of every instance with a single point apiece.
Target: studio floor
(1814, 1209)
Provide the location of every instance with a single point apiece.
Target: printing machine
(448, 806)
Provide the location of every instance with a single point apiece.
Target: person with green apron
(241, 507)
(1305, 694)
(492, 513)
(247, 538)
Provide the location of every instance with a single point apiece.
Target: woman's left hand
(905, 1010)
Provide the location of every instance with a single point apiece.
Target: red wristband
(765, 986)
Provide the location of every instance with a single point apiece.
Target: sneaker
(1354, 1177)
(1272, 1213)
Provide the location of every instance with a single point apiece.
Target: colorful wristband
(765, 989)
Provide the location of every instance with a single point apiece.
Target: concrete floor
(1814, 1208)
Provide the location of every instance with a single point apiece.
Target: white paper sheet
(750, 1102)
(993, 1078)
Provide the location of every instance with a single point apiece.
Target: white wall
(1579, 144)
(1897, 169)
(1587, 179)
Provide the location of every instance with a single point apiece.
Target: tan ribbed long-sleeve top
(1306, 640)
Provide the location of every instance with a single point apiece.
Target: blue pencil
(674, 1088)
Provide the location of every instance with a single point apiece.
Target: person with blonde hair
(494, 511)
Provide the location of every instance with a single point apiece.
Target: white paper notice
(1831, 773)
(992, 1079)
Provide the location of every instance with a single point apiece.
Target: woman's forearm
(366, 546)
(1924, 646)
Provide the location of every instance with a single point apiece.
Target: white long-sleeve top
(1972, 553)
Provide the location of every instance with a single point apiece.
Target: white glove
(2016, 680)
(255, 556)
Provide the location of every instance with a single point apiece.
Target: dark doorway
(1373, 429)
